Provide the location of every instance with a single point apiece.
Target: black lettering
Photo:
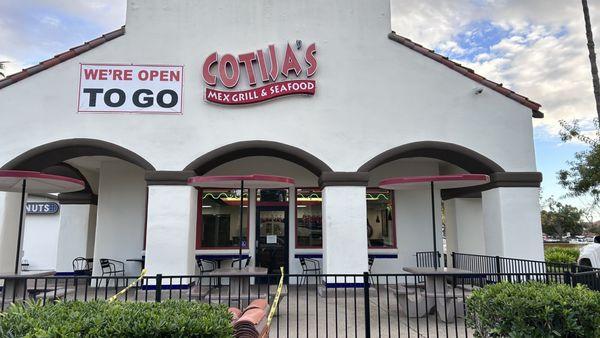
(160, 98)
(108, 97)
(147, 101)
(93, 92)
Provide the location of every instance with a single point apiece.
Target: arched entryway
(410, 231)
(107, 218)
(284, 213)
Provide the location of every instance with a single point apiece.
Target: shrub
(117, 319)
(534, 309)
(561, 255)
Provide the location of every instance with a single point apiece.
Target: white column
(76, 226)
(414, 224)
(171, 231)
(512, 225)
(464, 226)
(121, 215)
(9, 229)
(345, 247)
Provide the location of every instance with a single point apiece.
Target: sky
(534, 47)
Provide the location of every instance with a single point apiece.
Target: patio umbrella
(242, 181)
(34, 182)
(442, 182)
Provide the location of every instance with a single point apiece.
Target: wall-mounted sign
(130, 89)
(41, 208)
(295, 68)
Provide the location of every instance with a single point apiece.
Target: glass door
(272, 237)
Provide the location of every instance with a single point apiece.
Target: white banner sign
(130, 89)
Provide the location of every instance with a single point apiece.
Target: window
(309, 226)
(219, 219)
(380, 219)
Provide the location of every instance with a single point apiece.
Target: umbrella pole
(18, 255)
(435, 255)
(241, 222)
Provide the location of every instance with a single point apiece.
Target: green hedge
(117, 319)
(534, 310)
(561, 255)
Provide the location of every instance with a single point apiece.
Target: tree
(592, 54)
(561, 218)
(583, 175)
(1, 68)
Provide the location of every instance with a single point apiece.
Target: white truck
(589, 255)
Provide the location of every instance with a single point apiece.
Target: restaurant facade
(322, 92)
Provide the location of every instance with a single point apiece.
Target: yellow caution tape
(132, 284)
(276, 299)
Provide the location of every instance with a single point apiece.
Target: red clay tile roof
(62, 57)
(71, 53)
(535, 107)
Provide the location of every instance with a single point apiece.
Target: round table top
(235, 271)
(235, 181)
(440, 181)
(12, 181)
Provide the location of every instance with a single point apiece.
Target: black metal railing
(363, 305)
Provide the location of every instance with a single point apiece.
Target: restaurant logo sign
(293, 70)
(41, 208)
(109, 88)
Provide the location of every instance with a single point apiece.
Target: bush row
(534, 309)
(116, 319)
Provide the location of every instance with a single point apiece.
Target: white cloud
(544, 57)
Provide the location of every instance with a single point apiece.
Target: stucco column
(413, 223)
(464, 226)
(171, 230)
(345, 247)
(77, 227)
(121, 215)
(9, 228)
(512, 224)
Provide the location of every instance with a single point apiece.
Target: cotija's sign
(265, 66)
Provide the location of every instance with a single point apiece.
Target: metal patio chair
(315, 269)
(112, 267)
(82, 266)
(234, 262)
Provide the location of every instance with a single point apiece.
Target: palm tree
(592, 52)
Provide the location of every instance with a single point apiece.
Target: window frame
(199, 225)
(297, 246)
(393, 202)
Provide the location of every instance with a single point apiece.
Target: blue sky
(535, 47)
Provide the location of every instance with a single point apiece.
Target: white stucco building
(377, 106)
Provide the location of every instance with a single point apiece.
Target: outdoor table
(219, 258)
(437, 290)
(137, 260)
(15, 285)
(239, 279)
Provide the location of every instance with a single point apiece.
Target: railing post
(453, 259)
(498, 268)
(158, 288)
(568, 278)
(366, 287)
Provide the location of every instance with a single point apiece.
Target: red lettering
(90, 73)
(229, 61)
(153, 74)
(310, 59)
(209, 78)
(128, 75)
(262, 65)
(274, 68)
(103, 74)
(164, 75)
(290, 62)
(143, 75)
(247, 59)
(174, 75)
(117, 74)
